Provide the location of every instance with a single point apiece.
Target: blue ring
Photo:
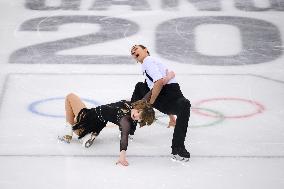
(33, 106)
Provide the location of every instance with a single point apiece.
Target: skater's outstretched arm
(125, 130)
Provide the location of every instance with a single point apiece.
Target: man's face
(138, 53)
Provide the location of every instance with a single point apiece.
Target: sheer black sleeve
(147, 96)
(125, 126)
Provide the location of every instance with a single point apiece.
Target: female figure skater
(88, 123)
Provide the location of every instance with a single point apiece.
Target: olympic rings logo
(258, 108)
(205, 108)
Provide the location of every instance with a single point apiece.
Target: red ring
(259, 108)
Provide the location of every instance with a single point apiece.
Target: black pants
(169, 101)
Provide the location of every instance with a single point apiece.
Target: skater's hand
(122, 159)
(169, 75)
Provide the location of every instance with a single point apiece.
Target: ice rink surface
(228, 59)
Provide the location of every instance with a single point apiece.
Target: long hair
(148, 113)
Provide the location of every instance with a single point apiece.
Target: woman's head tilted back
(147, 112)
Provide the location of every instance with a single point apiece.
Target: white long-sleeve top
(153, 70)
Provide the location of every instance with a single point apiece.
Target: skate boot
(65, 138)
(88, 140)
(68, 137)
(180, 154)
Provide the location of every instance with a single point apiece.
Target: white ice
(235, 134)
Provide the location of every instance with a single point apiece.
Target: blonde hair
(148, 113)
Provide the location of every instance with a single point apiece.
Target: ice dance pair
(160, 90)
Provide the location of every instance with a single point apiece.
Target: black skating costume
(95, 119)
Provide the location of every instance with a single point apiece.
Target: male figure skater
(166, 98)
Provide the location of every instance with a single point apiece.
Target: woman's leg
(73, 105)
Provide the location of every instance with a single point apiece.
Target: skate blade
(177, 158)
(62, 139)
(88, 143)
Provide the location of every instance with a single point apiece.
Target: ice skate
(180, 154)
(65, 138)
(88, 140)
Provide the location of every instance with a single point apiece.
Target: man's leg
(141, 89)
(182, 109)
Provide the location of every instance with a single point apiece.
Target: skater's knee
(71, 96)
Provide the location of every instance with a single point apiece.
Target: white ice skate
(67, 137)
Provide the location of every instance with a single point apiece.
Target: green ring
(220, 116)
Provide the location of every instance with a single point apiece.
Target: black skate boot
(180, 154)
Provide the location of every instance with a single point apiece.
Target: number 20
(261, 41)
